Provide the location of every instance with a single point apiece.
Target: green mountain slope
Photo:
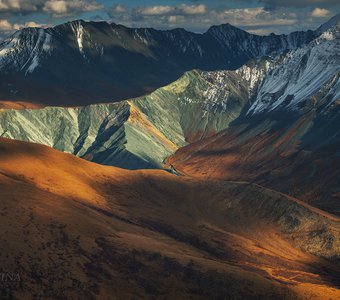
(139, 133)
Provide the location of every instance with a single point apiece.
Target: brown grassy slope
(76, 230)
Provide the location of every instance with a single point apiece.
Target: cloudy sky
(257, 16)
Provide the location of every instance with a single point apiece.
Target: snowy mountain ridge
(306, 76)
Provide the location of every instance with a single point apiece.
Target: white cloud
(57, 7)
(166, 10)
(62, 8)
(155, 10)
(9, 4)
(193, 9)
(273, 4)
(173, 19)
(54, 7)
(19, 5)
(320, 13)
(6, 27)
(258, 17)
(120, 9)
(34, 24)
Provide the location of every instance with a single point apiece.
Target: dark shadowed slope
(275, 156)
(74, 229)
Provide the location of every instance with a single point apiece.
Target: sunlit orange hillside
(76, 230)
(18, 105)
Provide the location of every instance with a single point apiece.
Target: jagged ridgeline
(138, 133)
(81, 63)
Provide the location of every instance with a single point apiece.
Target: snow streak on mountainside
(23, 51)
(81, 62)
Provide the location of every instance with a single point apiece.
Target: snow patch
(78, 30)
(34, 65)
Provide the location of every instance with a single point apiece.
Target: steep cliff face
(196, 106)
(102, 133)
(81, 62)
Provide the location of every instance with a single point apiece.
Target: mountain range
(82, 62)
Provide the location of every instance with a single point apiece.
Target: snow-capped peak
(331, 33)
(333, 22)
(306, 78)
